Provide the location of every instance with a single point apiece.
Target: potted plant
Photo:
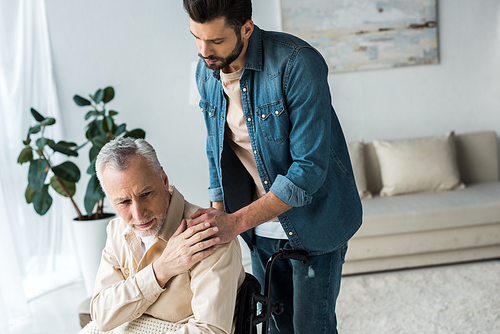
(40, 151)
(100, 129)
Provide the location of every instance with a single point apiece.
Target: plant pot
(90, 236)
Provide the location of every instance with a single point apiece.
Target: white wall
(144, 49)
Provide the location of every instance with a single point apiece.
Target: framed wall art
(359, 35)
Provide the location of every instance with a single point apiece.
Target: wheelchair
(249, 296)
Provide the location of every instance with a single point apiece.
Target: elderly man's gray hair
(116, 154)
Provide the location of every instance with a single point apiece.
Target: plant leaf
(64, 149)
(94, 130)
(91, 168)
(113, 113)
(25, 155)
(81, 101)
(100, 141)
(120, 129)
(136, 133)
(49, 121)
(93, 152)
(35, 129)
(98, 96)
(41, 142)
(29, 194)
(93, 195)
(109, 94)
(37, 173)
(67, 171)
(66, 143)
(42, 200)
(109, 123)
(56, 185)
(37, 116)
(104, 125)
(90, 114)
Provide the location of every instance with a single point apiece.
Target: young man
(152, 265)
(280, 172)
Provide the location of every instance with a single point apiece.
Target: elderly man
(152, 263)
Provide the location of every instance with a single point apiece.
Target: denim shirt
(298, 144)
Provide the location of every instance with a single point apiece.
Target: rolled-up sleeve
(289, 193)
(215, 194)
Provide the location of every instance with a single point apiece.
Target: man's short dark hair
(236, 12)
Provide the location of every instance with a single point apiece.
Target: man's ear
(164, 179)
(247, 29)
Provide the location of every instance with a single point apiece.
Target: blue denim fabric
(299, 147)
(308, 291)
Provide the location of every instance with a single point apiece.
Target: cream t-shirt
(236, 133)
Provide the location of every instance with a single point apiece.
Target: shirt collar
(254, 50)
(175, 214)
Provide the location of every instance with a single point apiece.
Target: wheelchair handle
(277, 307)
(293, 254)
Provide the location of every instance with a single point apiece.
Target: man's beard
(151, 231)
(224, 62)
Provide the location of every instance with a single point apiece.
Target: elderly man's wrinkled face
(138, 195)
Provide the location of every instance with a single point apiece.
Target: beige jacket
(204, 298)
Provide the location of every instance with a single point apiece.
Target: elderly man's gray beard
(160, 220)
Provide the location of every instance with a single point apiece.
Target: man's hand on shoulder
(185, 248)
(223, 221)
(230, 225)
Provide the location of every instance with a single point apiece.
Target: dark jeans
(308, 291)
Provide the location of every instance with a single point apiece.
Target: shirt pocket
(209, 115)
(273, 121)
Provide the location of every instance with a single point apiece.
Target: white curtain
(36, 252)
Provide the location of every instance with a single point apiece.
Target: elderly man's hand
(225, 222)
(186, 247)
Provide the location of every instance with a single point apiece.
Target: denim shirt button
(255, 152)
(263, 115)
(290, 233)
(265, 182)
(244, 89)
(277, 112)
(249, 119)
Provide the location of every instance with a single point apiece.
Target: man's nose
(205, 49)
(138, 211)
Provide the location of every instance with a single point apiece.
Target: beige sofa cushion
(356, 152)
(426, 164)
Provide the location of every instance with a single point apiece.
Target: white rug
(454, 299)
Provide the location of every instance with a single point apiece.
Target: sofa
(426, 201)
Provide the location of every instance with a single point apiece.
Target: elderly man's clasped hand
(186, 247)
